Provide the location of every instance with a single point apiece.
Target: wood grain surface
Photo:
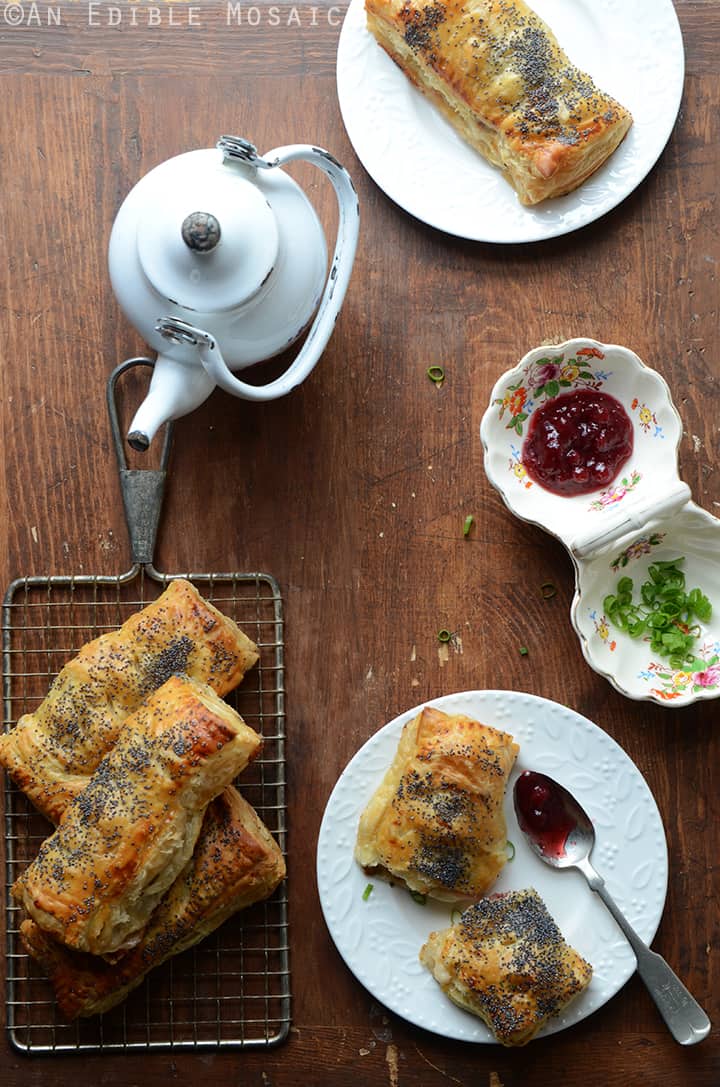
(353, 490)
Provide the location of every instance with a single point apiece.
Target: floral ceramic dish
(643, 516)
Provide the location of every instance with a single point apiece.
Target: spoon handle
(685, 1019)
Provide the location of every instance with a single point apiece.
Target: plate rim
(541, 703)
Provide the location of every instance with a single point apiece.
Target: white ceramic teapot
(219, 260)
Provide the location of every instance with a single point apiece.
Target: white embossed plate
(632, 48)
(380, 937)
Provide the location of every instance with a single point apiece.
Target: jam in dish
(577, 442)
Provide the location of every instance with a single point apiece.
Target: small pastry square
(436, 822)
(507, 962)
(496, 71)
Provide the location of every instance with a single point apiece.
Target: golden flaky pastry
(496, 71)
(506, 961)
(122, 842)
(436, 821)
(236, 862)
(51, 753)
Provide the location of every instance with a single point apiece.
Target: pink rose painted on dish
(549, 371)
(609, 498)
(709, 678)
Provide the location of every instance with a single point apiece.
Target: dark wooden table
(353, 490)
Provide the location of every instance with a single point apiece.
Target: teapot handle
(335, 287)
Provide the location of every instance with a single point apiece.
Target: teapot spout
(176, 388)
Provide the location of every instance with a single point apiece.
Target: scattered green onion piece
(468, 524)
(511, 850)
(367, 892)
(436, 374)
(416, 896)
(548, 590)
(444, 635)
(523, 651)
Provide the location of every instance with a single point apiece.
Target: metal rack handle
(143, 489)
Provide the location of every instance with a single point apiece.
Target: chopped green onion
(664, 614)
(510, 850)
(523, 651)
(367, 892)
(436, 374)
(444, 635)
(416, 896)
(548, 590)
(468, 524)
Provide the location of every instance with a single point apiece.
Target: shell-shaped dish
(647, 482)
(643, 516)
(628, 663)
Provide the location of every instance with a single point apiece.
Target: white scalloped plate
(420, 162)
(380, 938)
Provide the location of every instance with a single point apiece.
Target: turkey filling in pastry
(236, 862)
(436, 821)
(506, 961)
(51, 753)
(122, 842)
(497, 73)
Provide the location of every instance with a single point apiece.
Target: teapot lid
(208, 239)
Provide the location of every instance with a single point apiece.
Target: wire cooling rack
(233, 989)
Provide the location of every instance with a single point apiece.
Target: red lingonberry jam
(577, 442)
(541, 813)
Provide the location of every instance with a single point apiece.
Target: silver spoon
(561, 833)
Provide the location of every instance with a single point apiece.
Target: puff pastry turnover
(51, 753)
(236, 862)
(123, 840)
(496, 71)
(436, 821)
(506, 961)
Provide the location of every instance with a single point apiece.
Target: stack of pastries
(436, 824)
(132, 754)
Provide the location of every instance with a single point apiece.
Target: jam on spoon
(542, 813)
(560, 831)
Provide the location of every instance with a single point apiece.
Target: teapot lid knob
(185, 255)
(200, 231)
